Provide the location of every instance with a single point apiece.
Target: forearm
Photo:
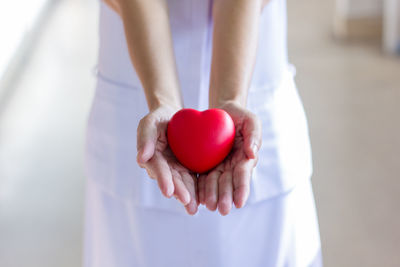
(235, 37)
(148, 35)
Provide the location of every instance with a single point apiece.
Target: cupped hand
(156, 157)
(229, 182)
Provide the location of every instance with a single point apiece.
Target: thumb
(252, 136)
(146, 140)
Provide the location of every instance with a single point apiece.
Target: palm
(237, 154)
(230, 180)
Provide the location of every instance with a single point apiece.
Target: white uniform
(129, 222)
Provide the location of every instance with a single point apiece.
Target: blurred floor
(41, 142)
(350, 92)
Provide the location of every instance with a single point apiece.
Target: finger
(181, 192)
(241, 181)
(191, 184)
(201, 181)
(147, 135)
(225, 191)
(157, 168)
(252, 136)
(211, 190)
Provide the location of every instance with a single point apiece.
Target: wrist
(168, 101)
(155, 105)
(221, 94)
(222, 103)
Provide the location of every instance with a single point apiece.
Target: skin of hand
(146, 25)
(229, 182)
(156, 157)
(235, 37)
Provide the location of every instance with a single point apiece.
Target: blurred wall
(360, 8)
(391, 34)
(19, 22)
(358, 19)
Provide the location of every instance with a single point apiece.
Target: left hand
(230, 180)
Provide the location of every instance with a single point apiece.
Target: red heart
(201, 140)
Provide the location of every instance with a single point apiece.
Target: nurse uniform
(129, 222)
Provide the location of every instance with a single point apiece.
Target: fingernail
(254, 149)
(187, 200)
(183, 202)
(170, 191)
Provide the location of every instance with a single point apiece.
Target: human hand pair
(227, 183)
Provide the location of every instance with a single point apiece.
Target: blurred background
(348, 75)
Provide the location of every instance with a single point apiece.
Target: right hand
(157, 158)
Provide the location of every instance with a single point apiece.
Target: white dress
(129, 222)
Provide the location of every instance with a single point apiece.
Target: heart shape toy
(201, 140)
